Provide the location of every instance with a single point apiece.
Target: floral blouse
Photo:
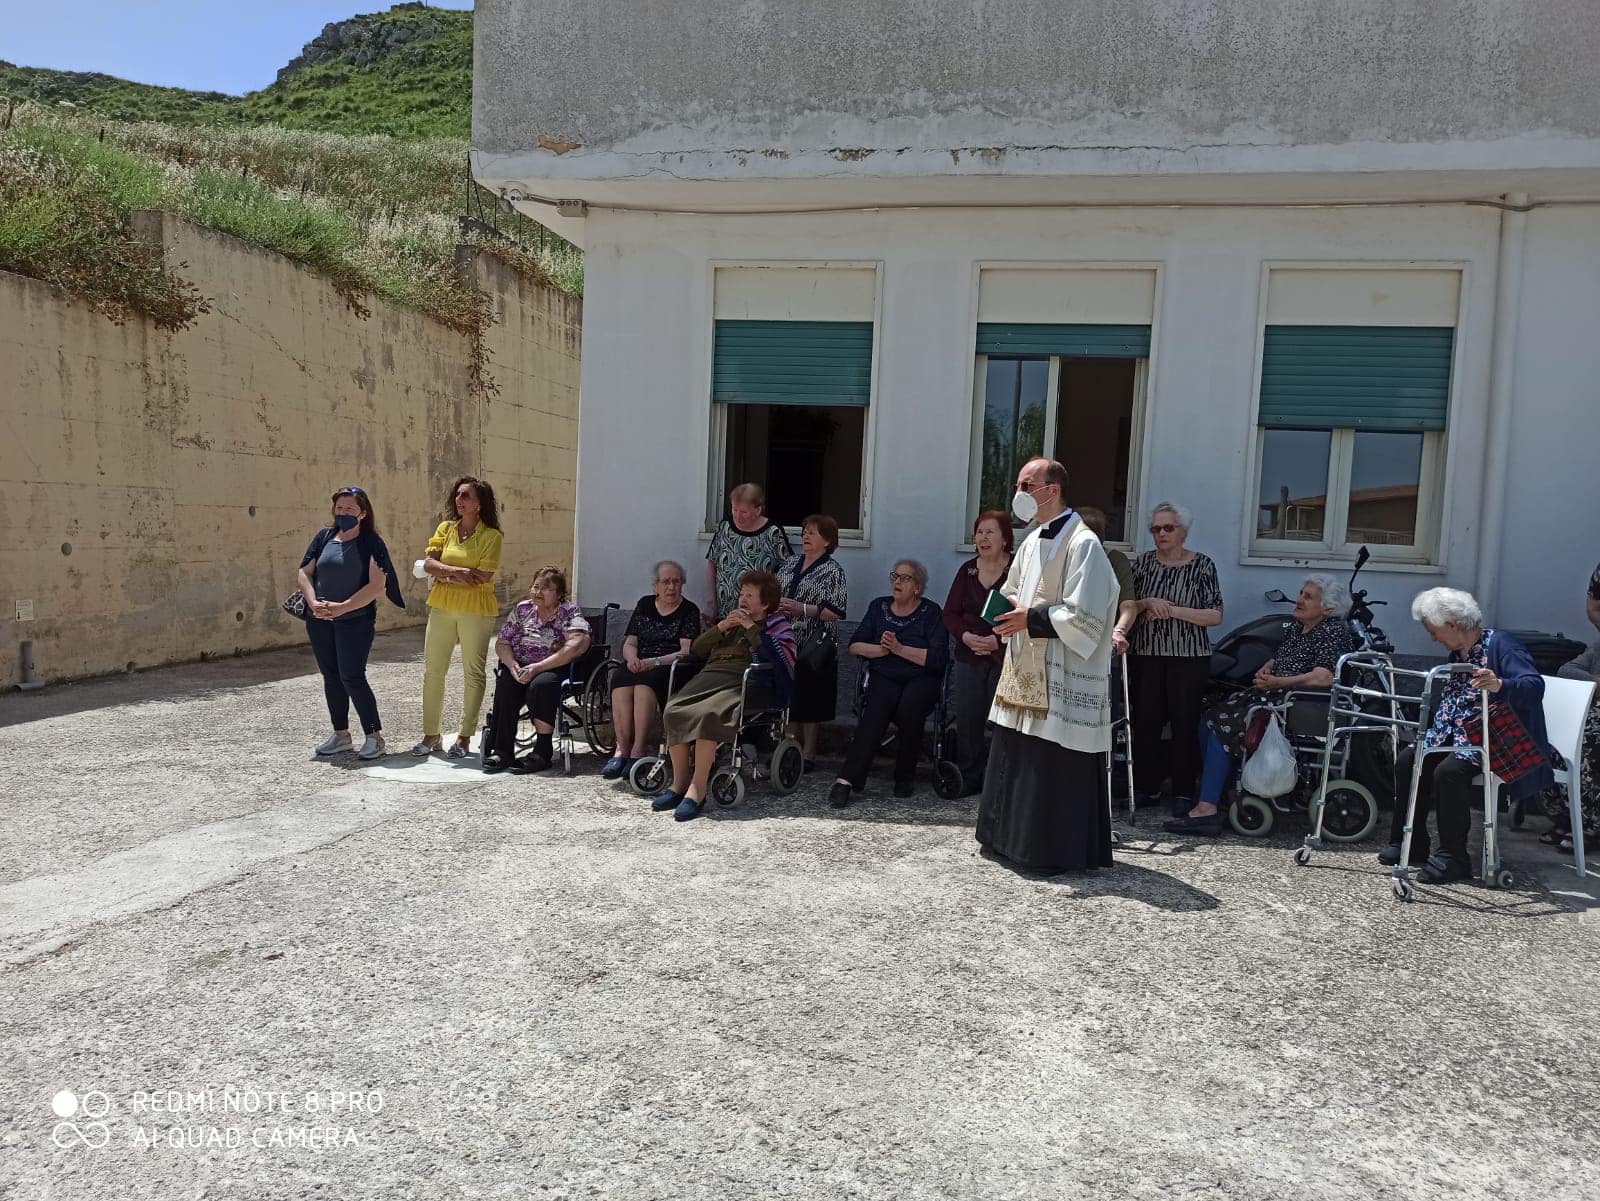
(534, 641)
(1458, 705)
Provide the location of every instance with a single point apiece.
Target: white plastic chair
(1566, 705)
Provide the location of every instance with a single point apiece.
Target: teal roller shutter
(1370, 377)
(1074, 341)
(792, 363)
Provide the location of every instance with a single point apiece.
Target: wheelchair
(1342, 807)
(947, 781)
(584, 702)
(763, 749)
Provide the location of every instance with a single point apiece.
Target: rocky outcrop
(364, 40)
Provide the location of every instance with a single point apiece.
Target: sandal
(458, 750)
(424, 748)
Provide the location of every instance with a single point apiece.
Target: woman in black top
(903, 637)
(659, 634)
(344, 571)
(1177, 599)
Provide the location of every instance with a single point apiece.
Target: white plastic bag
(1271, 771)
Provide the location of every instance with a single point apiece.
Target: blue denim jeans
(1217, 767)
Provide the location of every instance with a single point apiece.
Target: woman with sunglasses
(1176, 600)
(462, 558)
(344, 571)
(903, 639)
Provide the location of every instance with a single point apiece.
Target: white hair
(655, 575)
(1447, 606)
(1335, 596)
(1181, 512)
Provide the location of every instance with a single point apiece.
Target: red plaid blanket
(1512, 750)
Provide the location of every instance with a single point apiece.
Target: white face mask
(1024, 506)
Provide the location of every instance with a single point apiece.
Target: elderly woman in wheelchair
(1305, 662)
(541, 637)
(706, 711)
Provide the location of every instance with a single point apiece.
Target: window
(790, 413)
(1084, 411)
(1350, 439)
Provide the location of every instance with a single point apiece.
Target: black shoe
(1211, 825)
(903, 788)
(839, 794)
(1143, 800)
(1180, 805)
(529, 764)
(1443, 869)
(1390, 855)
(493, 767)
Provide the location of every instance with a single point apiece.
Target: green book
(996, 607)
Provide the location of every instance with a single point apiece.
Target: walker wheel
(947, 781)
(1303, 856)
(648, 776)
(1404, 889)
(1251, 816)
(788, 764)
(1504, 879)
(727, 787)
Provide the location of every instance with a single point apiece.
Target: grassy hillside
(406, 72)
(354, 162)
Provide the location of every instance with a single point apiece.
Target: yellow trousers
(445, 630)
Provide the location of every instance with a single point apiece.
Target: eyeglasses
(1164, 529)
(900, 577)
(1031, 487)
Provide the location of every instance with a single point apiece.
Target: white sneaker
(372, 748)
(335, 744)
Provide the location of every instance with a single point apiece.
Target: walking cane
(1127, 731)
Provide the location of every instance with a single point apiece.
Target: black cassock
(1044, 807)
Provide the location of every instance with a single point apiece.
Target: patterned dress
(1459, 702)
(1301, 651)
(734, 552)
(823, 585)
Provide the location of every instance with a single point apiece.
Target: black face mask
(346, 522)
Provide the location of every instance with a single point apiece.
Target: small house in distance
(1326, 271)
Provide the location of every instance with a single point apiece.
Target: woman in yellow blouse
(463, 556)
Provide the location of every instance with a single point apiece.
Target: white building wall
(646, 416)
(1551, 543)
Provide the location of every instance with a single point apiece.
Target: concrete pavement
(262, 976)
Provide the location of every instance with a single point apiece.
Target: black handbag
(818, 650)
(295, 604)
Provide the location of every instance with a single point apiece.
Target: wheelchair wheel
(727, 787)
(947, 781)
(597, 727)
(1351, 812)
(649, 776)
(1251, 816)
(788, 764)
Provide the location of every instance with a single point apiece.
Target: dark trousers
(907, 703)
(1447, 788)
(341, 648)
(1167, 690)
(541, 695)
(974, 693)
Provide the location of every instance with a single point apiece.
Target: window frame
(1427, 555)
(716, 445)
(1336, 545)
(1136, 431)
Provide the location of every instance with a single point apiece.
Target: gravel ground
(537, 988)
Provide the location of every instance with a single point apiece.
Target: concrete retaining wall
(157, 490)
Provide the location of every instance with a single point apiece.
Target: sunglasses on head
(1163, 529)
(351, 490)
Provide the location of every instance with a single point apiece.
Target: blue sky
(211, 45)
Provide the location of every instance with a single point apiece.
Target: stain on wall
(157, 490)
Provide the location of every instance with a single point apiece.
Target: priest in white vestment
(1044, 803)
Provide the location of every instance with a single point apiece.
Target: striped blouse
(1193, 585)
